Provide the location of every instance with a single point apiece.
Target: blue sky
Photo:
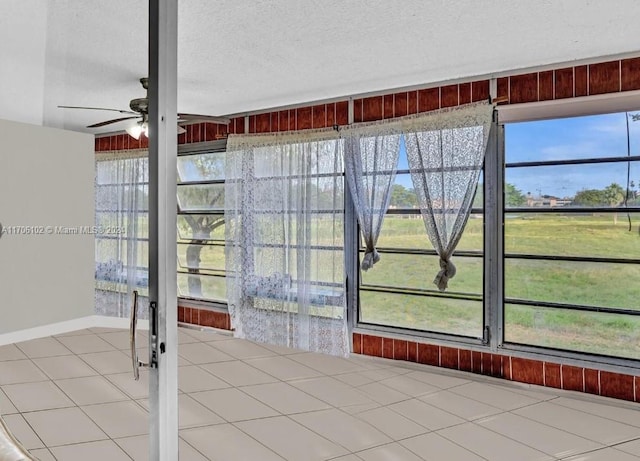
(577, 137)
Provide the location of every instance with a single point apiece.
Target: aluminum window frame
(194, 149)
(494, 248)
(556, 110)
(354, 248)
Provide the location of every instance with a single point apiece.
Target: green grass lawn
(584, 283)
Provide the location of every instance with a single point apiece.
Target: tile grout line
(573, 433)
(322, 374)
(75, 405)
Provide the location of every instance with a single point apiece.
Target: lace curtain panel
(284, 208)
(121, 187)
(445, 151)
(371, 161)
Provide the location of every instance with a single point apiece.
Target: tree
(401, 197)
(614, 194)
(513, 196)
(589, 198)
(632, 195)
(201, 226)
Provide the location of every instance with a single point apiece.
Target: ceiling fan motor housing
(140, 105)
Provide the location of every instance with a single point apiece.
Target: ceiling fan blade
(98, 108)
(204, 118)
(109, 122)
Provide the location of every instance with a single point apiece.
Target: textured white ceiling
(238, 55)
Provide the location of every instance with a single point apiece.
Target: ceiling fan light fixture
(135, 131)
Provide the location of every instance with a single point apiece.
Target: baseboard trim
(67, 326)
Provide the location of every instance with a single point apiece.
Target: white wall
(23, 33)
(46, 179)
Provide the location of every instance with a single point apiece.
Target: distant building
(548, 201)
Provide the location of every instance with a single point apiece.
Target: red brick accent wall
(204, 317)
(541, 373)
(561, 83)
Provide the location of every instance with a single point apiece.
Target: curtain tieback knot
(447, 271)
(371, 257)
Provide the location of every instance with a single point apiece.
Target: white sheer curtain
(284, 208)
(371, 161)
(121, 231)
(445, 150)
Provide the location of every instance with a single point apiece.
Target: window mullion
(493, 239)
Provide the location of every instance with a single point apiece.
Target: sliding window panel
(583, 283)
(195, 256)
(602, 234)
(416, 271)
(584, 137)
(408, 231)
(423, 313)
(206, 227)
(201, 167)
(555, 186)
(201, 286)
(209, 197)
(592, 332)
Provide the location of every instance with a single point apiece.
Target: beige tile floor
(71, 397)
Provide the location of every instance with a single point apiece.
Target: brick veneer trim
(204, 317)
(561, 83)
(542, 373)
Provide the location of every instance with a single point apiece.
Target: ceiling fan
(140, 110)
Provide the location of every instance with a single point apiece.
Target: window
(561, 251)
(293, 224)
(571, 234)
(121, 236)
(399, 290)
(201, 230)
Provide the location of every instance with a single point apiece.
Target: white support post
(163, 344)
(493, 243)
